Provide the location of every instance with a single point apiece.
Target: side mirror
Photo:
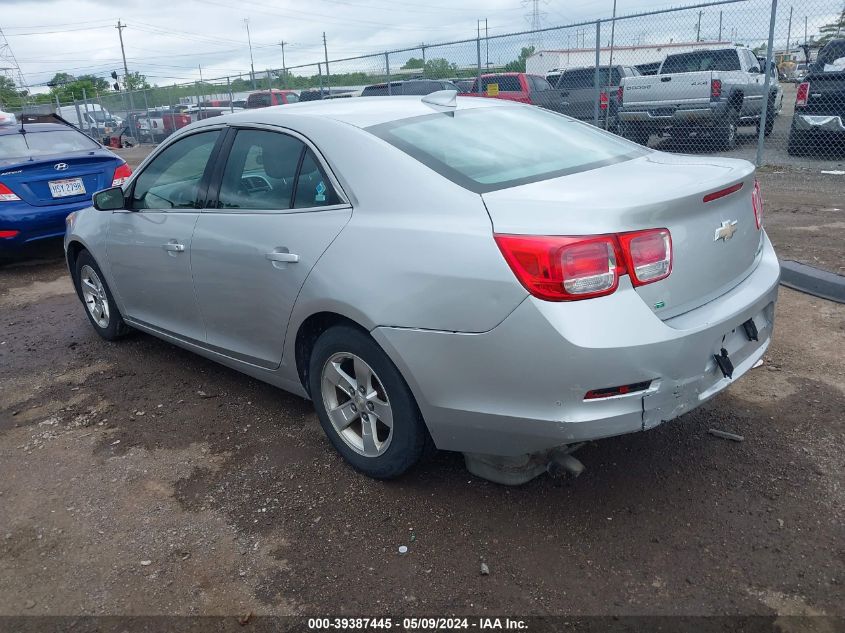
(110, 199)
(754, 69)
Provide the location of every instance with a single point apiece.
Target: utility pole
(487, 45)
(789, 33)
(120, 28)
(251, 61)
(720, 26)
(610, 65)
(698, 29)
(805, 30)
(328, 74)
(284, 70)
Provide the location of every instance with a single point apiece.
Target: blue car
(48, 170)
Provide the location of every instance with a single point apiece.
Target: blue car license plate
(66, 187)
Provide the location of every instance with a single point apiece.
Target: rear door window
(260, 171)
(313, 188)
(259, 100)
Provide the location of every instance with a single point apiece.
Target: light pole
(251, 61)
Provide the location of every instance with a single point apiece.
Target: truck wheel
(799, 143)
(724, 133)
(634, 132)
(770, 119)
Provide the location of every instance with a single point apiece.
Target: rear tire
(799, 143)
(364, 405)
(634, 132)
(97, 298)
(724, 133)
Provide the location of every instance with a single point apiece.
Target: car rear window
(585, 78)
(726, 59)
(44, 143)
(260, 100)
(484, 149)
(506, 83)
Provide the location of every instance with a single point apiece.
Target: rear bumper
(685, 115)
(520, 387)
(34, 223)
(818, 123)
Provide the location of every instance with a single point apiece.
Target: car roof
(360, 112)
(33, 127)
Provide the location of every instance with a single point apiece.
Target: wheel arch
(72, 251)
(307, 334)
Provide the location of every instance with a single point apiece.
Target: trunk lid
(31, 180)
(651, 91)
(654, 191)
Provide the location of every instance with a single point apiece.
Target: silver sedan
(467, 274)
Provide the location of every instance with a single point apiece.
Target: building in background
(544, 61)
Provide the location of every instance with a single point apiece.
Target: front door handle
(282, 256)
(173, 246)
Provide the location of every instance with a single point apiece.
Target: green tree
(414, 62)
(440, 68)
(67, 87)
(135, 81)
(833, 30)
(518, 65)
(10, 98)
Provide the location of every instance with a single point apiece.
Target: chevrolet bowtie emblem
(725, 231)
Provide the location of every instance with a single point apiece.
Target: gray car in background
(469, 274)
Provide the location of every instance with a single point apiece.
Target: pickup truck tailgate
(652, 91)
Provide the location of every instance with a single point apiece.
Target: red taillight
(803, 94)
(609, 392)
(648, 255)
(715, 88)
(6, 194)
(562, 268)
(757, 204)
(619, 94)
(603, 101)
(121, 174)
(722, 192)
(7, 234)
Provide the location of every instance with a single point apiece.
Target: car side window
(313, 189)
(260, 171)
(172, 179)
(291, 97)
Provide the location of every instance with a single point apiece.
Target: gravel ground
(137, 478)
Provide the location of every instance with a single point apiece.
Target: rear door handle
(282, 256)
(174, 247)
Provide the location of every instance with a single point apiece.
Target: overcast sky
(167, 39)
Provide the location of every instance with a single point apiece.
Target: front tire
(97, 298)
(364, 405)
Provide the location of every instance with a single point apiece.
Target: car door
(274, 209)
(149, 243)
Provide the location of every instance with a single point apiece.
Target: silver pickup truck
(702, 93)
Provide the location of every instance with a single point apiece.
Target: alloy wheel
(94, 295)
(357, 404)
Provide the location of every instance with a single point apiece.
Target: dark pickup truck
(819, 119)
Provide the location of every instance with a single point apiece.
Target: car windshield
(484, 149)
(43, 144)
(725, 59)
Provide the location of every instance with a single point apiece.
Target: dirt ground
(137, 478)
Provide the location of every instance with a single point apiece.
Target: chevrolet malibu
(473, 275)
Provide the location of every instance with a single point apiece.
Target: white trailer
(545, 61)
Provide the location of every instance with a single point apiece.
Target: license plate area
(66, 187)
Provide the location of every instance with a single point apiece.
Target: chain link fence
(744, 78)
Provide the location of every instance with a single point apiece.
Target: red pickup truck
(520, 87)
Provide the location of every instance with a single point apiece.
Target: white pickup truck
(702, 93)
